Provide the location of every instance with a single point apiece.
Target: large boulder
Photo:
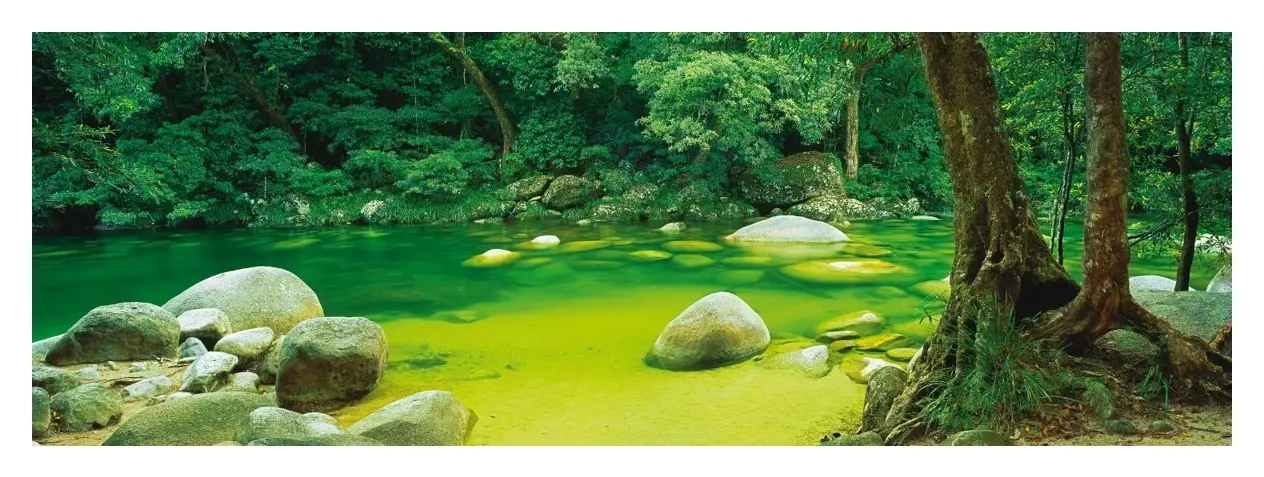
(525, 189)
(42, 347)
(52, 379)
(328, 362)
(1197, 313)
(123, 331)
(197, 420)
(275, 422)
(87, 407)
(1152, 283)
(428, 418)
(615, 212)
(717, 330)
(1223, 281)
(885, 384)
(247, 345)
(570, 191)
(791, 180)
(208, 325)
(208, 373)
(788, 229)
(252, 297)
(41, 416)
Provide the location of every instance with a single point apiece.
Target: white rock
(872, 365)
(1152, 283)
(546, 240)
(811, 361)
(673, 227)
(138, 367)
(243, 382)
(208, 373)
(789, 228)
(148, 387)
(89, 373)
(248, 345)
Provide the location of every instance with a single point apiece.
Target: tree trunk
(507, 131)
(1000, 257)
(1057, 231)
(271, 113)
(853, 127)
(1184, 128)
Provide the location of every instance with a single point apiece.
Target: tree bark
(853, 128)
(507, 131)
(1000, 258)
(1184, 128)
(271, 113)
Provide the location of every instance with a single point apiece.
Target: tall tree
(868, 50)
(1184, 129)
(507, 130)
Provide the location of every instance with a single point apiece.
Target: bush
(439, 177)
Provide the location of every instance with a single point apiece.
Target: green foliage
(550, 141)
(1005, 380)
(440, 177)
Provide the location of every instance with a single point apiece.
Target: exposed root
(1195, 369)
(1223, 339)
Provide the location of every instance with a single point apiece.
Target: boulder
(197, 420)
(118, 332)
(640, 195)
(53, 380)
(42, 347)
(192, 348)
(717, 330)
(836, 208)
(87, 407)
(791, 180)
(328, 362)
(247, 345)
(674, 227)
(788, 228)
(570, 191)
(1223, 281)
(524, 189)
(810, 361)
(1152, 283)
(148, 387)
(208, 325)
(859, 323)
(274, 422)
(495, 257)
(271, 363)
(1200, 314)
(546, 241)
(370, 208)
(208, 373)
(847, 272)
(885, 384)
(41, 416)
(615, 212)
(978, 437)
(252, 298)
(243, 382)
(428, 418)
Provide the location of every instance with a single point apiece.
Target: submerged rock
(689, 261)
(252, 297)
(862, 250)
(845, 272)
(495, 257)
(546, 240)
(788, 228)
(197, 420)
(595, 264)
(583, 246)
(123, 331)
(882, 342)
(717, 330)
(811, 361)
(674, 227)
(832, 336)
(87, 407)
(428, 418)
(861, 369)
(740, 277)
(859, 323)
(902, 354)
(749, 261)
(208, 325)
(327, 362)
(933, 288)
(692, 246)
(649, 255)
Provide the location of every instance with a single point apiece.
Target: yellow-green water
(557, 355)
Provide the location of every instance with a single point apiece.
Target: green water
(558, 357)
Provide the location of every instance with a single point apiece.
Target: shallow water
(557, 356)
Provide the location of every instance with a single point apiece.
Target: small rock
(1162, 426)
(863, 439)
(208, 373)
(89, 373)
(147, 388)
(138, 367)
(1098, 397)
(271, 363)
(832, 336)
(53, 380)
(492, 258)
(811, 361)
(841, 345)
(248, 345)
(923, 217)
(243, 382)
(862, 322)
(673, 227)
(691, 261)
(192, 348)
(87, 407)
(882, 342)
(546, 240)
(1122, 427)
(40, 413)
(692, 246)
(208, 325)
(583, 222)
(978, 437)
(112, 366)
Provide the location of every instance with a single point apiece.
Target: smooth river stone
(649, 255)
(740, 277)
(861, 250)
(692, 246)
(582, 246)
(492, 258)
(689, 261)
(882, 342)
(901, 354)
(844, 272)
(862, 322)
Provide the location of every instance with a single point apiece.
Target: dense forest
(272, 129)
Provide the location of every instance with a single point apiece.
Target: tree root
(1194, 367)
(1223, 339)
